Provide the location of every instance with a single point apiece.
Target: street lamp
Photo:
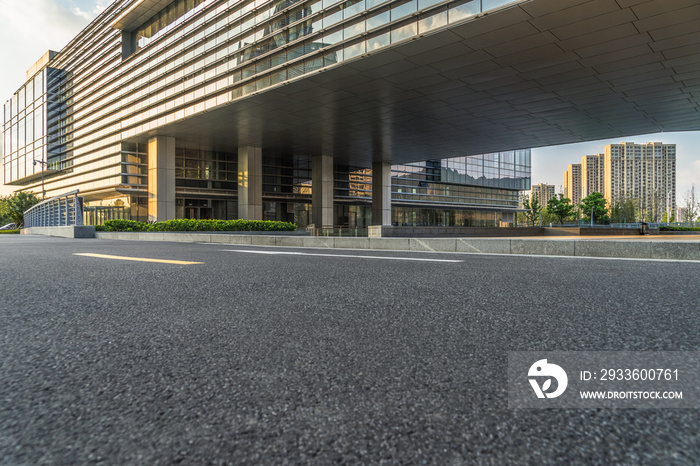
(43, 165)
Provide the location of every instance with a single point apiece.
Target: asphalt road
(291, 358)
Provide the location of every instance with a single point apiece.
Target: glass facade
(176, 13)
(422, 193)
(87, 112)
(25, 128)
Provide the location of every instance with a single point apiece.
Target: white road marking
(289, 253)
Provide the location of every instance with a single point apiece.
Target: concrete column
(250, 205)
(381, 193)
(127, 44)
(322, 190)
(161, 178)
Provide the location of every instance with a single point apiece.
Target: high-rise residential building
(642, 172)
(572, 183)
(592, 174)
(543, 192)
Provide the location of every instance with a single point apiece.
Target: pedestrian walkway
(669, 247)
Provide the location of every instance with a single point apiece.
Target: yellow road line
(137, 259)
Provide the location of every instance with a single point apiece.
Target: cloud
(29, 28)
(93, 8)
(99, 7)
(83, 14)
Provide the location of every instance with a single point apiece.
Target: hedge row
(9, 232)
(679, 228)
(196, 225)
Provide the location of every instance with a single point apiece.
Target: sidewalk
(642, 247)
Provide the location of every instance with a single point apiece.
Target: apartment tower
(572, 183)
(543, 192)
(645, 172)
(592, 174)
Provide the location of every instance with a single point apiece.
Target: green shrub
(198, 225)
(9, 232)
(124, 225)
(666, 228)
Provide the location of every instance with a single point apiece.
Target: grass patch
(196, 225)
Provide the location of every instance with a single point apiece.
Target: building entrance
(198, 213)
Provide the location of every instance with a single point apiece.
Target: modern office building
(592, 174)
(286, 109)
(572, 183)
(543, 192)
(645, 173)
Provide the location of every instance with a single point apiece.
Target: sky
(28, 28)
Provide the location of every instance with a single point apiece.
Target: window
(167, 18)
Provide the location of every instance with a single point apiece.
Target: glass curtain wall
(25, 130)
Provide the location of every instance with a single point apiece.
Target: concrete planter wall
(679, 233)
(72, 231)
(587, 231)
(451, 232)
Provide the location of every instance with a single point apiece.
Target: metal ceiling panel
(600, 23)
(670, 17)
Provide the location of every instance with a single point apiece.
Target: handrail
(338, 231)
(62, 210)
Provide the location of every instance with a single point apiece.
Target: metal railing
(351, 232)
(636, 225)
(98, 215)
(63, 210)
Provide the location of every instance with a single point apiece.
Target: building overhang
(533, 74)
(138, 13)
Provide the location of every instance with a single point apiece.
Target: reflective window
(490, 4)
(463, 10)
(403, 9)
(433, 21)
(174, 14)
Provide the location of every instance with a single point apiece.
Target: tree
(547, 217)
(597, 203)
(4, 218)
(533, 209)
(691, 204)
(624, 211)
(14, 205)
(560, 207)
